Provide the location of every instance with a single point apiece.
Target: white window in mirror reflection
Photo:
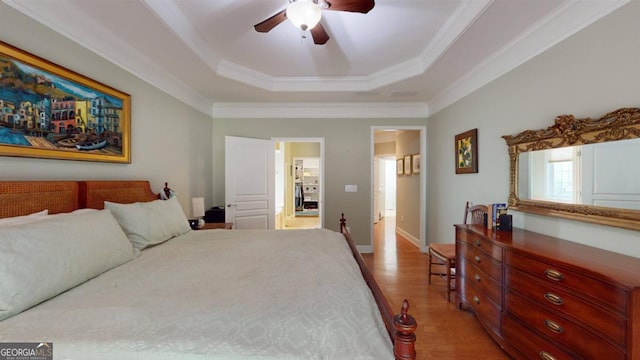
(556, 175)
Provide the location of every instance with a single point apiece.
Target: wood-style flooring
(444, 331)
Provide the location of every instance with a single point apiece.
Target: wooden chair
(477, 213)
(445, 254)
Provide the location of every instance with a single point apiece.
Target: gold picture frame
(48, 111)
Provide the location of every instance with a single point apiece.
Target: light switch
(351, 188)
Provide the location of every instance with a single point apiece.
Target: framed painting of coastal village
(48, 111)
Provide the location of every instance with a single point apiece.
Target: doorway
(398, 163)
(299, 183)
(386, 187)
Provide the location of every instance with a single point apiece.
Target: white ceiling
(405, 58)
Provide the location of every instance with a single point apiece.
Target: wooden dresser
(541, 297)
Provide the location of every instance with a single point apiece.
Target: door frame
(322, 167)
(422, 240)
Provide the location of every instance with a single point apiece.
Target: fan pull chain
(303, 36)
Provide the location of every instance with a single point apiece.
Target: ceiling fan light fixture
(304, 14)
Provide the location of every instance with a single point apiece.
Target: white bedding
(294, 294)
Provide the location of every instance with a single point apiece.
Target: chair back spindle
(477, 213)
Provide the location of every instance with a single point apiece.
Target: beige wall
(170, 141)
(408, 188)
(347, 144)
(386, 148)
(595, 71)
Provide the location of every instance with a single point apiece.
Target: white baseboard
(408, 236)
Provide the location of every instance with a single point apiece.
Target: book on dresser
(494, 211)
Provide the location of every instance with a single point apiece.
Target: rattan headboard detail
(93, 194)
(26, 197)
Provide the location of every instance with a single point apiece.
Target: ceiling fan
(306, 15)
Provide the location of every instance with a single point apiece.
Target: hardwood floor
(444, 332)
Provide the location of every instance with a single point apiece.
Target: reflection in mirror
(580, 169)
(605, 174)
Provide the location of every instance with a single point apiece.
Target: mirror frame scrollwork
(568, 131)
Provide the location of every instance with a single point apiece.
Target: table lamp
(197, 207)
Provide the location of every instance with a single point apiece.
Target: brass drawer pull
(476, 278)
(477, 259)
(546, 356)
(553, 298)
(477, 243)
(554, 275)
(476, 300)
(553, 326)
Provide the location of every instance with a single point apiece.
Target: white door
(249, 182)
(376, 192)
(382, 185)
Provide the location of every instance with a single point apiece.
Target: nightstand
(227, 226)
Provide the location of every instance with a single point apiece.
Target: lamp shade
(304, 14)
(197, 206)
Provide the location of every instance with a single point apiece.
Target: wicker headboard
(93, 194)
(26, 197)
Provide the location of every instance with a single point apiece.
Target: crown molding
(565, 21)
(320, 110)
(464, 15)
(111, 48)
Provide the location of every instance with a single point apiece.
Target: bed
(135, 282)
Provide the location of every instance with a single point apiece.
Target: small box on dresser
(559, 299)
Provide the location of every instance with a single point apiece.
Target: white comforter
(294, 294)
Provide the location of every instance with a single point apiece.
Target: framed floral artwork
(466, 152)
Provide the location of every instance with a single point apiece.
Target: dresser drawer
(606, 293)
(531, 345)
(560, 330)
(484, 262)
(486, 311)
(609, 323)
(481, 280)
(481, 244)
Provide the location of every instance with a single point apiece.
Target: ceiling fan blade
(320, 36)
(271, 22)
(361, 6)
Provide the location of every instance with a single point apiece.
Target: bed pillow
(150, 223)
(24, 218)
(42, 259)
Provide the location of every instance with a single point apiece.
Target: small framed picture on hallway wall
(415, 164)
(407, 164)
(399, 166)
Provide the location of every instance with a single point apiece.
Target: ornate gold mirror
(580, 169)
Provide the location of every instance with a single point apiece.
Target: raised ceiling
(405, 58)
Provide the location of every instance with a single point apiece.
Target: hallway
(444, 332)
